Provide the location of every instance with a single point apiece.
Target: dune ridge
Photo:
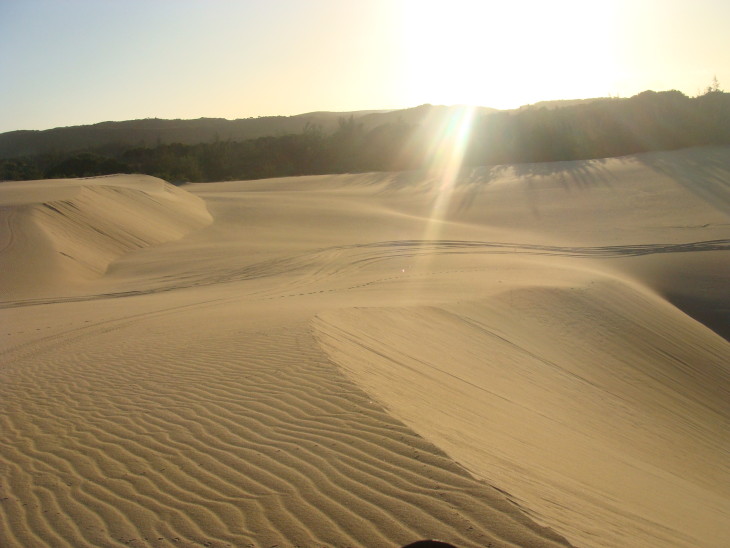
(232, 438)
(72, 230)
(530, 356)
(486, 382)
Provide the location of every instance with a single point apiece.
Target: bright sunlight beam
(446, 154)
(506, 54)
(446, 151)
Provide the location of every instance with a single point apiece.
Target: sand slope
(595, 405)
(526, 356)
(58, 233)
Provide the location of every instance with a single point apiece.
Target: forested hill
(152, 132)
(403, 140)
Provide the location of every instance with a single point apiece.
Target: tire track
(327, 263)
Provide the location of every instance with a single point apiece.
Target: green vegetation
(597, 129)
(610, 127)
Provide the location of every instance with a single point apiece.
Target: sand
(532, 355)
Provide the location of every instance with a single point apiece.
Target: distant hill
(152, 132)
(561, 103)
(350, 142)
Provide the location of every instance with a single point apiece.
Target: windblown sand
(529, 355)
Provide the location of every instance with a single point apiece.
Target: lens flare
(446, 154)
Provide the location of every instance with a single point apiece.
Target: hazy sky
(70, 62)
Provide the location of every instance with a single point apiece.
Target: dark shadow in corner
(708, 311)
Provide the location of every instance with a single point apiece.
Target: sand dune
(534, 391)
(70, 230)
(526, 356)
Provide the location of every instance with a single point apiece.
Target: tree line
(599, 129)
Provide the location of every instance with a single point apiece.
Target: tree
(714, 87)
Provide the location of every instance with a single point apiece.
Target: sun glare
(447, 149)
(505, 54)
(446, 153)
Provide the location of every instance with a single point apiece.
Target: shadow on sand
(570, 175)
(703, 171)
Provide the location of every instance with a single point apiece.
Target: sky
(72, 62)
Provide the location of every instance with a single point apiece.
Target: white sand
(365, 360)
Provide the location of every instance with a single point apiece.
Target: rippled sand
(531, 356)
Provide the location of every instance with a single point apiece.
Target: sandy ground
(529, 355)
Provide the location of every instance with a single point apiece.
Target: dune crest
(72, 229)
(597, 395)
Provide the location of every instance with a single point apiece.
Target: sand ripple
(222, 442)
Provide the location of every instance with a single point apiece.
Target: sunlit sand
(529, 355)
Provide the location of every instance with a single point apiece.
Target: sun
(505, 54)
